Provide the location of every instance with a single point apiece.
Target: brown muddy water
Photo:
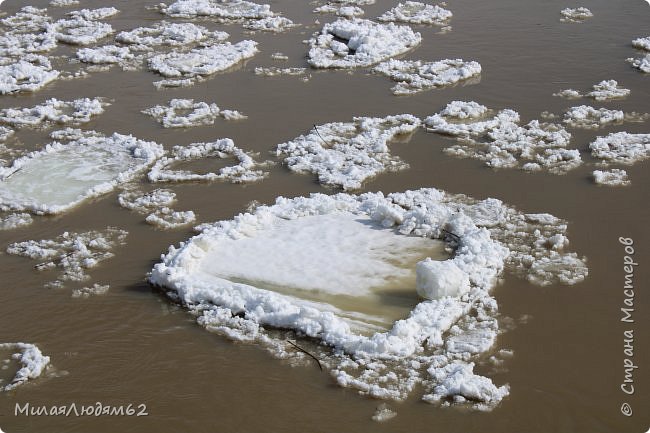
(132, 346)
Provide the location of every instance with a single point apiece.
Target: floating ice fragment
(63, 3)
(621, 147)
(54, 111)
(603, 91)
(194, 113)
(169, 34)
(613, 177)
(415, 76)
(168, 219)
(15, 220)
(273, 71)
(83, 27)
(95, 289)
(233, 9)
(61, 176)
(642, 64)
(383, 413)
(347, 154)
(28, 19)
(33, 363)
(341, 10)
(413, 12)
(584, 116)
(436, 280)
(575, 15)
(106, 54)
(364, 43)
(28, 74)
(642, 43)
(146, 202)
(275, 24)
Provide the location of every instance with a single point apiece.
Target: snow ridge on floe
(33, 363)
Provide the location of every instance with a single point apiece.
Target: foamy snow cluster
(54, 111)
(28, 74)
(417, 13)
(32, 363)
(603, 91)
(613, 177)
(61, 176)
(442, 338)
(168, 219)
(157, 205)
(621, 148)
(183, 113)
(575, 15)
(584, 116)
(246, 169)
(500, 141)
(414, 76)
(359, 43)
(83, 27)
(347, 154)
(71, 253)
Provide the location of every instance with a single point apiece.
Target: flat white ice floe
(234, 9)
(54, 111)
(107, 54)
(169, 34)
(499, 140)
(245, 170)
(32, 363)
(603, 91)
(62, 176)
(28, 74)
(413, 12)
(621, 147)
(359, 43)
(414, 76)
(613, 177)
(347, 154)
(83, 27)
(168, 219)
(575, 15)
(231, 277)
(183, 113)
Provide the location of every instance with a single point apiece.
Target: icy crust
(613, 177)
(642, 64)
(417, 13)
(621, 147)
(15, 220)
(603, 91)
(183, 113)
(83, 26)
(347, 154)
(415, 76)
(61, 176)
(246, 169)
(54, 111)
(71, 253)
(28, 74)
(201, 62)
(236, 9)
(584, 116)
(32, 361)
(642, 43)
(501, 142)
(364, 43)
(575, 15)
(440, 340)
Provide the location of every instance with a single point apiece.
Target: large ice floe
(417, 13)
(499, 140)
(31, 360)
(62, 175)
(603, 91)
(414, 76)
(183, 113)
(245, 170)
(575, 15)
(346, 154)
(342, 254)
(201, 62)
(156, 205)
(613, 177)
(621, 148)
(359, 43)
(71, 253)
(54, 111)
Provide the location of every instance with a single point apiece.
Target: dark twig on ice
(304, 351)
(455, 236)
(11, 174)
(321, 137)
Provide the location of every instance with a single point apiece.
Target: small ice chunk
(83, 27)
(28, 19)
(341, 10)
(642, 43)
(169, 34)
(569, 94)
(642, 63)
(33, 363)
(608, 89)
(28, 74)
(227, 9)
(63, 3)
(621, 147)
(415, 76)
(275, 24)
(364, 43)
(146, 202)
(106, 54)
(169, 219)
(436, 279)
(87, 292)
(274, 71)
(15, 220)
(584, 116)
(383, 413)
(413, 12)
(54, 111)
(613, 177)
(193, 113)
(575, 15)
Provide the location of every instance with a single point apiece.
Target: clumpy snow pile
(15, 220)
(72, 253)
(61, 176)
(443, 337)
(54, 111)
(347, 154)
(87, 292)
(359, 43)
(613, 177)
(200, 62)
(621, 148)
(575, 15)
(417, 13)
(415, 76)
(603, 91)
(82, 27)
(246, 169)
(156, 204)
(183, 113)
(584, 116)
(500, 141)
(33, 363)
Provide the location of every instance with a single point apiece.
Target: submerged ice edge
(438, 344)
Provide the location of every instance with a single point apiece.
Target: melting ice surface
(345, 260)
